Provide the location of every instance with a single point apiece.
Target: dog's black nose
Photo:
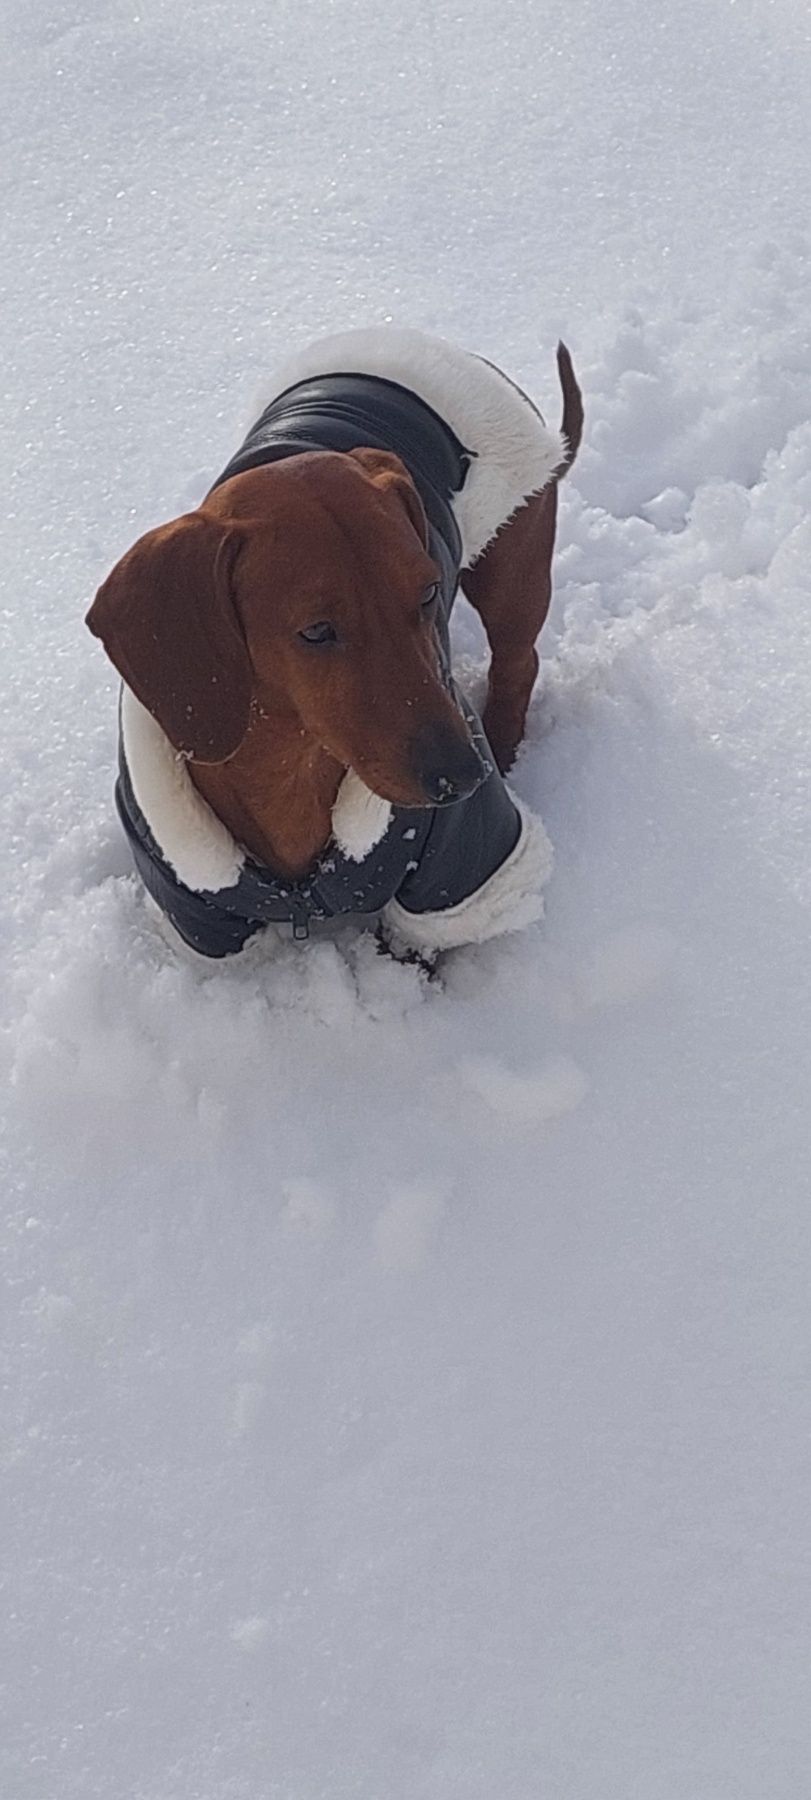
(446, 767)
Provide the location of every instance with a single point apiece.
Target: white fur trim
(206, 857)
(193, 840)
(359, 817)
(189, 835)
(516, 453)
(508, 901)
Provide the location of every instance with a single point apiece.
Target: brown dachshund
(291, 628)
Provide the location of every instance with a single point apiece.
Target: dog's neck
(276, 793)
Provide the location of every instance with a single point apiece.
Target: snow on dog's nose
(447, 767)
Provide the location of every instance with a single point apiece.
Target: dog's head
(302, 589)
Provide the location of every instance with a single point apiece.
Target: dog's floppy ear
(167, 621)
(391, 475)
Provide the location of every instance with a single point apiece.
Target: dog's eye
(430, 596)
(322, 633)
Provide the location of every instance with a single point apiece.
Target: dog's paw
(504, 756)
(502, 740)
(390, 945)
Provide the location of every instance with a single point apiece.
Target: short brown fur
(202, 619)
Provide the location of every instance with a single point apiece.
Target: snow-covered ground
(408, 1385)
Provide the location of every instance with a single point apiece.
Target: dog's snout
(447, 766)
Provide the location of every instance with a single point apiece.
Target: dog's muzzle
(447, 768)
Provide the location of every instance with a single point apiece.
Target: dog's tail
(572, 421)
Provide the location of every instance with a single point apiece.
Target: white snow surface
(408, 1383)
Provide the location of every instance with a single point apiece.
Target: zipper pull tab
(301, 928)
